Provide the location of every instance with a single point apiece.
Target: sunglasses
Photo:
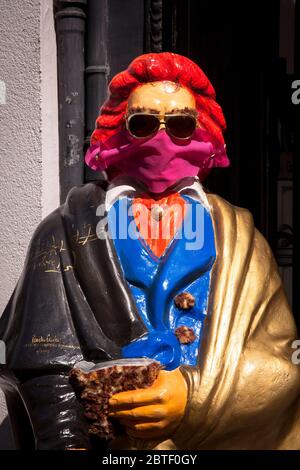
(143, 125)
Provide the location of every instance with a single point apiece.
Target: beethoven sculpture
(147, 264)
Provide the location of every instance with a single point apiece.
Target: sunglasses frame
(160, 121)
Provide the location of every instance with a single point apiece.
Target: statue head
(160, 123)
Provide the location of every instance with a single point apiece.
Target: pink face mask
(159, 161)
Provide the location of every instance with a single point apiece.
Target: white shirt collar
(123, 186)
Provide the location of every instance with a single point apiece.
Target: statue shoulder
(236, 223)
(219, 206)
(85, 195)
(80, 201)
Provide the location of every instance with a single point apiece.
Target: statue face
(162, 144)
(161, 98)
(160, 138)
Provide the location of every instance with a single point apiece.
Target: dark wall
(236, 44)
(296, 121)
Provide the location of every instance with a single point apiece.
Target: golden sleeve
(245, 392)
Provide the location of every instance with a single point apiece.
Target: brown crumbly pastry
(94, 389)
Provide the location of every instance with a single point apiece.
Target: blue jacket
(156, 282)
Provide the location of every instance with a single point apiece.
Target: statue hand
(153, 412)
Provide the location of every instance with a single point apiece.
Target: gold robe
(245, 392)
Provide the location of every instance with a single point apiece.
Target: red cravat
(159, 219)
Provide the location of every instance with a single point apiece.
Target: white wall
(29, 187)
(49, 110)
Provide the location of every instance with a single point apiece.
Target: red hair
(158, 67)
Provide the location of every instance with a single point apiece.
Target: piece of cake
(95, 384)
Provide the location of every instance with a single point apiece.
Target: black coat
(71, 303)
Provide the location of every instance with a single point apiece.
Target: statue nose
(162, 126)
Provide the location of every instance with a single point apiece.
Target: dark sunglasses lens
(143, 125)
(181, 126)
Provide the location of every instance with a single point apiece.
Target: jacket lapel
(188, 257)
(98, 270)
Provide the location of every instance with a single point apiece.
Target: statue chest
(166, 251)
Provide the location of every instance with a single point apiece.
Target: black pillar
(114, 37)
(70, 26)
(153, 17)
(97, 68)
